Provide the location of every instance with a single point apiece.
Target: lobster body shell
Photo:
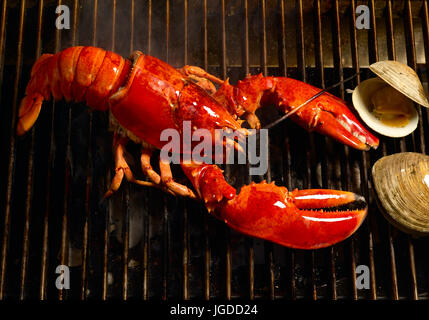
(147, 96)
(145, 104)
(158, 97)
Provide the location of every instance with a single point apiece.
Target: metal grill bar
(349, 185)
(2, 38)
(425, 24)
(25, 249)
(106, 243)
(425, 13)
(44, 260)
(411, 58)
(62, 294)
(310, 150)
(145, 241)
(85, 237)
(337, 54)
(392, 56)
(303, 76)
(126, 194)
(206, 270)
(165, 245)
(223, 72)
(64, 234)
(249, 242)
(346, 164)
(185, 242)
(319, 48)
(267, 245)
(165, 249)
(373, 56)
(125, 240)
(321, 74)
(286, 150)
(86, 224)
(12, 146)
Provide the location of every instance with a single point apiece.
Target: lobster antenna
(294, 110)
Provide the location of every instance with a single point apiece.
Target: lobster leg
(201, 77)
(121, 168)
(170, 184)
(147, 167)
(165, 180)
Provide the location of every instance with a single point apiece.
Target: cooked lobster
(146, 96)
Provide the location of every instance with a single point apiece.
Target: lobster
(146, 96)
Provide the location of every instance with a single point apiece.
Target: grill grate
(145, 244)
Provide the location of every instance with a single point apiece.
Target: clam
(385, 103)
(401, 182)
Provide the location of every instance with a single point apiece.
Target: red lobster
(146, 96)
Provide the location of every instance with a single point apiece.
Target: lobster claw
(331, 116)
(306, 219)
(325, 114)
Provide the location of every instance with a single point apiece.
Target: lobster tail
(78, 74)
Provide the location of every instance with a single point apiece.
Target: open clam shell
(401, 182)
(403, 87)
(362, 102)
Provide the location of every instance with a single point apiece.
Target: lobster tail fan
(37, 90)
(28, 112)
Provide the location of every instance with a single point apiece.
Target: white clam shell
(362, 103)
(401, 182)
